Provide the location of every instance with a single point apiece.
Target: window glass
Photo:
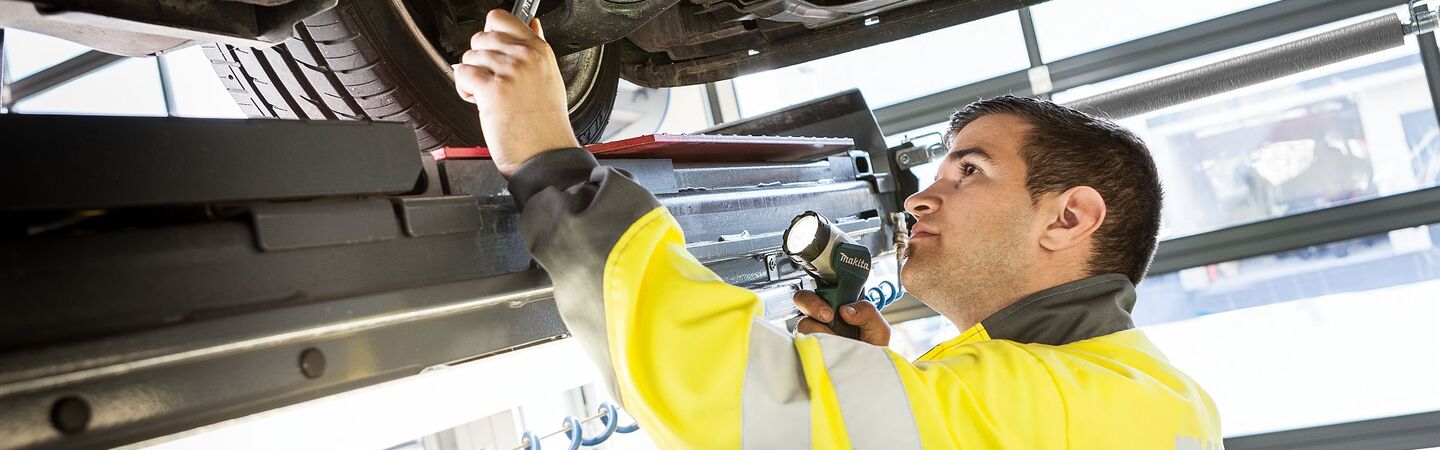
(1355, 130)
(913, 338)
(130, 87)
(27, 53)
(896, 71)
(1333, 333)
(1138, 77)
(1065, 28)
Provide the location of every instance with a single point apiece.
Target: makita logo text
(857, 262)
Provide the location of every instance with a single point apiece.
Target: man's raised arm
(690, 357)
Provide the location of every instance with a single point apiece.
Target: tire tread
(331, 70)
(326, 72)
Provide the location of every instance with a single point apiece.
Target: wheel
(370, 60)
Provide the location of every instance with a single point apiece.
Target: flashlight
(840, 265)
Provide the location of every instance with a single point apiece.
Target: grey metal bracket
(1422, 19)
(910, 154)
(917, 156)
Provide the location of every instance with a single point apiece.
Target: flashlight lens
(802, 233)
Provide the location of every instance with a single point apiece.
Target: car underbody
(664, 42)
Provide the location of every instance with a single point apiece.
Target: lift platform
(160, 274)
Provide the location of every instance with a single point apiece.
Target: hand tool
(525, 10)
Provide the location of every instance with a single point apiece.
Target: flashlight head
(802, 233)
(809, 242)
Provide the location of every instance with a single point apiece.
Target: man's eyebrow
(957, 155)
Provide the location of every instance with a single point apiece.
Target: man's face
(973, 241)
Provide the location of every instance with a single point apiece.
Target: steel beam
(1234, 30)
(1318, 227)
(1355, 220)
(1430, 59)
(1400, 432)
(1032, 44)
(936, 108)
(1032, 50)
(59, 74)
(4, 76)
(713, 111)
(111, 392)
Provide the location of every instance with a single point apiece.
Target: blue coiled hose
(884, 294)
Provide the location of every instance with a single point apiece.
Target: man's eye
(968, 169)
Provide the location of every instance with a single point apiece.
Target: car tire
(363, 61)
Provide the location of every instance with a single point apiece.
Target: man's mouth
(921, 231)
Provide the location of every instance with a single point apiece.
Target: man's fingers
(496, 62)
(861, 314)
(539, 30)
(468, 78)
(501, 42)
(502, 21)
(812, 305)
(464, 94)
(865, 316)
(873, 327)
(812, 326)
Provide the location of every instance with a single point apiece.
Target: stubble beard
(965, 283)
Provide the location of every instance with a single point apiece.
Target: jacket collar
(1070, 312)
(1067, 313)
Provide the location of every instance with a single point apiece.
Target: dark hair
(1067, 148)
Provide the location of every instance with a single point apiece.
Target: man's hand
(510, 74)
(873, 327)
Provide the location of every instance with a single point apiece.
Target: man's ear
(1080, 212)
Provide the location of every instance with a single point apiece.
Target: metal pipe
(4, 77)
(1032, 44)
(713, 111)
(167, 85)
(59, 74)
(1323, 49)
(1430, 59)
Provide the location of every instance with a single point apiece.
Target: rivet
(70, 415)
(312, 363)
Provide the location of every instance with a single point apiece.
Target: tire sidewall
(433, 88)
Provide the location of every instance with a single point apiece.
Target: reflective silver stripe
(775, 403)
(872, 399)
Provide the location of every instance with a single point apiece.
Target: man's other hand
(510, 74)
(873, 327)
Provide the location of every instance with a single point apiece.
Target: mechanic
(1031, 239)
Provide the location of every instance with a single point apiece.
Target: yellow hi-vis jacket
(692, 359)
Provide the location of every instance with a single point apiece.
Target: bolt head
(70, 415)
(312, 363)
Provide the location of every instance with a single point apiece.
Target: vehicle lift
(161, 274)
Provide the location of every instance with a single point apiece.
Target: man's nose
(922, 203)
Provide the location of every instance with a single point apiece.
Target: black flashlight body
(840, 266)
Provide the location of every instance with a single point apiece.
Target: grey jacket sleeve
(573, 211)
